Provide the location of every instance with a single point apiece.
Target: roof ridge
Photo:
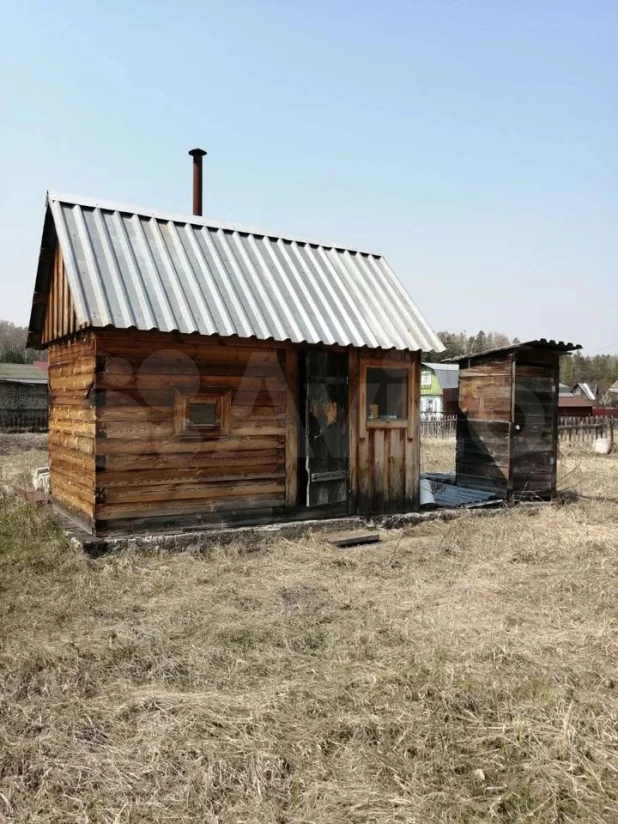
(199, 220)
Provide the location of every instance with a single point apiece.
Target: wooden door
(534, 431)
(326, 428)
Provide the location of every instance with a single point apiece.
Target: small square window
(425, 378)
(205, 413)
(202, 415)
(387, 391)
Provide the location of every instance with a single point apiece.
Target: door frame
(304, 473)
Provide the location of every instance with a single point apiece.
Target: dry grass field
(456, 672)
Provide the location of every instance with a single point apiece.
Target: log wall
(72, 426)
(119, 464)
(146, 473)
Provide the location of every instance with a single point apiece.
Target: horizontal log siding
(72, 426)
(145, 471)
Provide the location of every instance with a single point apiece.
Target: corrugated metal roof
(139, 268)
(542, 343)
(447, 374)
(21, 373)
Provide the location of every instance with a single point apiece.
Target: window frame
(222, 400)
(399, 423)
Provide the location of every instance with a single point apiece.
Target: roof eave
(44, 273)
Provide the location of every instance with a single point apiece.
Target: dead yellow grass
(457, 672)
(437, 455)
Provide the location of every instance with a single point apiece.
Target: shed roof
(21, 373)
(558, 346)
(573, 401)
(130, 267)
(446, 373)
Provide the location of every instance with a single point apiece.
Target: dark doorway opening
(323, 402)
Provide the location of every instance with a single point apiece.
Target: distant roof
(564, 390)
(446, 373)
(572, 401)
(43, 365)
(21, 373)
(541, 343)
(130, 267)
(586, 389)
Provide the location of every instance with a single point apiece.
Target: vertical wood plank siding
(483, 426)
(507, 425)
(72, 426)
(389, 457)
(145, 472)
(292, 427)
(535, 432)
(60, 319)
(354, 397)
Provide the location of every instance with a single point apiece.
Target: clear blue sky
(473, 143)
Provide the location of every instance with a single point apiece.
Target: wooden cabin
(507, 425)
(203, 374)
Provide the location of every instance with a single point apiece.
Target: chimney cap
(197, 153)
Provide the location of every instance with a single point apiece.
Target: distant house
(23, 396)
(585, 390)
(574, 407)
(613, 389)
(439, 389)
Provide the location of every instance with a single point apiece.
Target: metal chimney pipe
(197, 155)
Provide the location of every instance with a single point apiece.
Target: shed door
(534, 431)
(326, 429)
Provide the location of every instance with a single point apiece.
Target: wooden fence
(23, 420)
(445, 427)
(573, 430)
(585, 430)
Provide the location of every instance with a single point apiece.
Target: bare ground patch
(19, 455)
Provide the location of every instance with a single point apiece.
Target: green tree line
(13, 345)
(597, 370)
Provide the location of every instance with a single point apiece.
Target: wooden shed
(507, 426)
(203, 374)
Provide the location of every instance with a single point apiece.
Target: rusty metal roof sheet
(144, 269)
(574, 402)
